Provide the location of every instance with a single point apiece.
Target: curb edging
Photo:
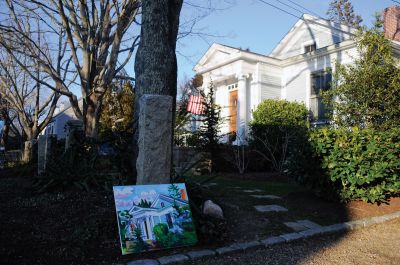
(267, 242)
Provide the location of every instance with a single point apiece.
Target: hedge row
(351, 164)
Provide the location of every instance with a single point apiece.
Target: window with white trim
(320, 81)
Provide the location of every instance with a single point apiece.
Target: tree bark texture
(155, 63)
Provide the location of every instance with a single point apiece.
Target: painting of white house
(152, 217)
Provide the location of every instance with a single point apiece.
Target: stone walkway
(302, 225)
(272, 197)
(270, 208)
(222, 253)
(254, 190)
(297, 226)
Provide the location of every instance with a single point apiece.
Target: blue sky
(246, 24)
(254, 25)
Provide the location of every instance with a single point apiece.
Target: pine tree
(210, 124)
(342, 11)
(211, 120)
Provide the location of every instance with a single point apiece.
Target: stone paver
(179, 258)
(144, 262)
(302, 225)
(272, 241)
(201, 254)
(272, 197)
(248, 245)
(334, 228)
(270, 208)
(253, 190)
(291, 236)
(309, 224)
(295, 226)
(228, 250)
(311, 232)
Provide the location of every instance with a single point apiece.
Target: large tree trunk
(92, 115)
(155, 63)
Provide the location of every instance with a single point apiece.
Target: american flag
(195, 105)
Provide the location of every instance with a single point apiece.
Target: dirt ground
(76, 227)
(373, 245)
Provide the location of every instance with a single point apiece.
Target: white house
(161, 211)
(63, 114)
(295, 70)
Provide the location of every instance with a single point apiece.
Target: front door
(233, 110)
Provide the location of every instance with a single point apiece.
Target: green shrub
(355, 164)
(277, 129)
(82, 167)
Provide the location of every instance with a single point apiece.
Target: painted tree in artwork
(144, 203)
(174, 191)
(342, 11)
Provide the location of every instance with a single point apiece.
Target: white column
(149, 230)
(242, 118)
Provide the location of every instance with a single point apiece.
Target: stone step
(302, 225)
(272, 197)
(270, 208)
(253, 190)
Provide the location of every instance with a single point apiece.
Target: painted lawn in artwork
(152, 217)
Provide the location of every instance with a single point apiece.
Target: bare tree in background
(96, 34)
(21, 86)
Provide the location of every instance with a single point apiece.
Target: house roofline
(242, 55)
(313, 20)
(65, 109)
(341, 46)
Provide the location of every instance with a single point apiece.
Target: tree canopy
(366, 93)
(342, 11)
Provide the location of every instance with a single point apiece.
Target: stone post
(73, 127)
(45, 146)
(153, 164)
(30, 151)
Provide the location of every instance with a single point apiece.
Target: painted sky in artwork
(125, 195)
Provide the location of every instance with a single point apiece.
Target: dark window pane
(310, 48)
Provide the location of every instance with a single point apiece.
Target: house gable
(308, 31)
(167, 201)
(215, 55)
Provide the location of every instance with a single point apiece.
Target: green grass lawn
(245, 223)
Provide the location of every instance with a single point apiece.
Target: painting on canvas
(153, 217)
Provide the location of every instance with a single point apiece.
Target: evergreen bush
(278, 129)
(352, 164)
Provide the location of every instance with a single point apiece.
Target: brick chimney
(391, 22)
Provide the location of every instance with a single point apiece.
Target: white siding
(307, 36)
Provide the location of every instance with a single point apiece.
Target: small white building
(63, 114)
(296, 70)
